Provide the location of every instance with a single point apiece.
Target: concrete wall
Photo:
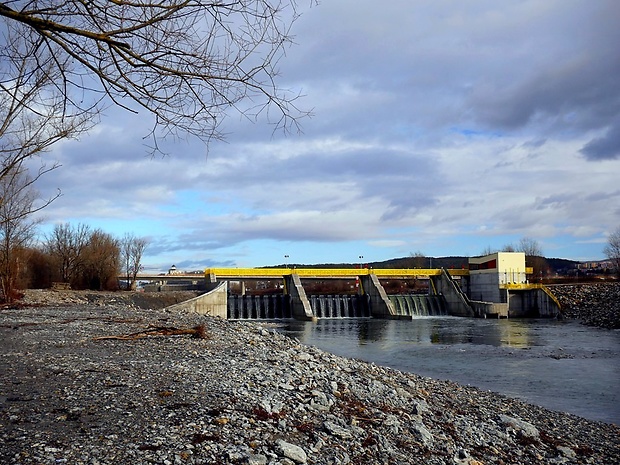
(300, 304)
(214, 303)
(458, 303)
(484, 286)
(489, 309)
(380, 304)
(533, 303)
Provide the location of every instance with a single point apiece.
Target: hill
(555, 265)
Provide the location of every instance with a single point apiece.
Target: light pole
(286, 260)
(361, 257)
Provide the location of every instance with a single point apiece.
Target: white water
(560, 365)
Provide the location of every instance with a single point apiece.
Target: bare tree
(417, 260)
(34, 113)
(100, 268)
(488, 250)
(530, 247)
(509, 248)
(533, 256)
(66, 244)
(186, 62)
(612, 249)
(18, 201)
(132, 248)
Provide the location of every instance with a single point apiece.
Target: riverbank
(594, 304)
(246, 394)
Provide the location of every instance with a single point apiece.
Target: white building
(491, 275)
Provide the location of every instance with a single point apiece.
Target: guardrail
(527, 286)
(328, 272)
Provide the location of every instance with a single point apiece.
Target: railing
(328, 272)
(527, 286)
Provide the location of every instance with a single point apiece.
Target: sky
(439, 127)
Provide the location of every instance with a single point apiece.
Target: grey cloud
(568, 82)
(535, 143)
(572, 100)
(606, 147)
(546, 67)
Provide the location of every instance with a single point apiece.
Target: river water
(560, 365)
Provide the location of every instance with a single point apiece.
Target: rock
(291, 451)
(338, 431)
(257, 459)
(422, 434)
(595, 304)
(522, 427)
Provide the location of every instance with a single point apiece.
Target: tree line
(77, 255)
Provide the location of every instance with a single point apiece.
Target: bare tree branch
(186, 62)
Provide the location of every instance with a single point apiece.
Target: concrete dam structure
(494, 286)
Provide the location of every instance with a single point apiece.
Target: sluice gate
(340, 306)
(419, 305)
(278, 306)
(259, 307)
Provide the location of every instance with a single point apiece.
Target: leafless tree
(186, 62)
(488, 250)
(533, 256)
(34, 113)
(132, 248)
(100, 268)
(509, 248)
(530, 247)
(67, 244)
(18, 201)
(612, 249)
(418, 260)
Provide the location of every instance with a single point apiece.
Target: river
(560, 365)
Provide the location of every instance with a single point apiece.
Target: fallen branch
(198, 332)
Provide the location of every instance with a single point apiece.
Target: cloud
(605, 147)
(438, 126)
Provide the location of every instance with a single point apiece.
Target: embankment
(595, 304)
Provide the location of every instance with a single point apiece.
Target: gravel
(245, 394)
(595, 304)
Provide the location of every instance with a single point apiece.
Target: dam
(493, 286)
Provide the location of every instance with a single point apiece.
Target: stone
(522, 427)
(291, 451)
(339, 431)
(422, 433)
(257, 459)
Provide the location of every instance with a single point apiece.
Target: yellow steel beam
(327, 272)
(528, 286)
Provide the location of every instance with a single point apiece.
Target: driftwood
(198, 332)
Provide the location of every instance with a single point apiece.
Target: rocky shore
(113, 383)
(595, 304)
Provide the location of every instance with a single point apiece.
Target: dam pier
(493, 286)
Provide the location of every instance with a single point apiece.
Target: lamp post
(361, 257)
(286, 260)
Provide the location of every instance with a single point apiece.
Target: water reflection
(435, 330)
